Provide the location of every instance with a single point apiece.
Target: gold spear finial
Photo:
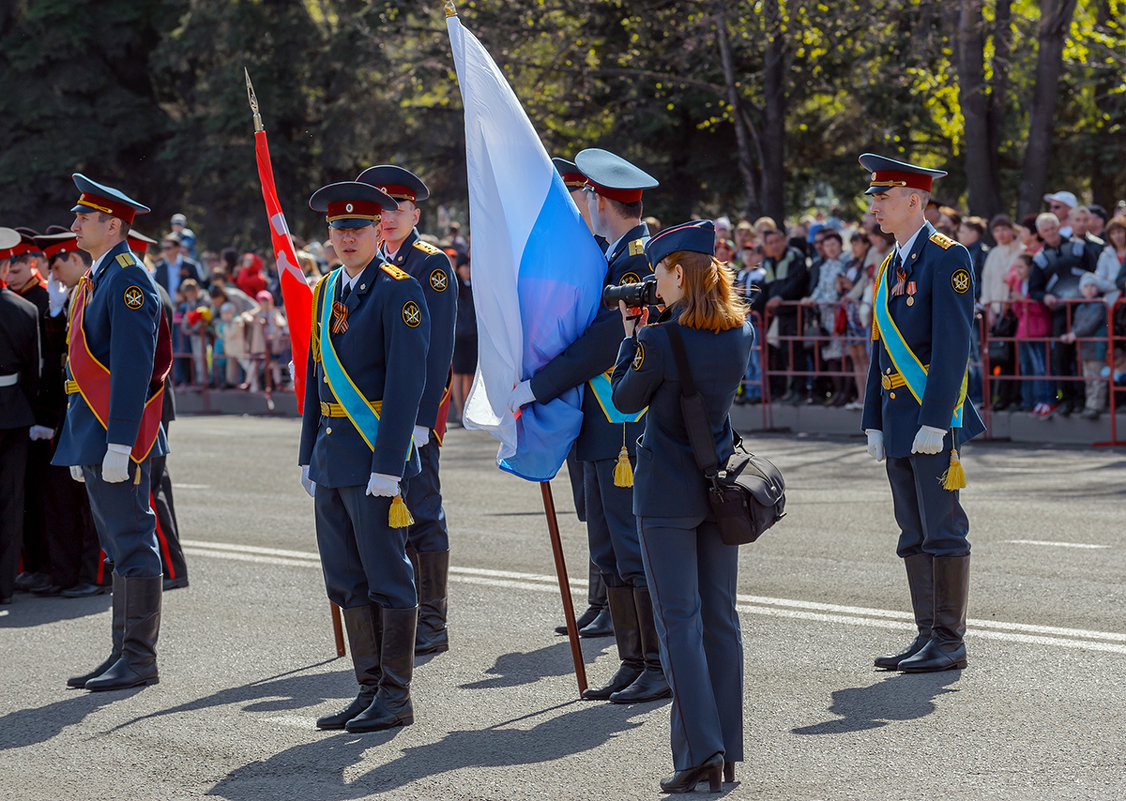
(253, 102)
(450, 10)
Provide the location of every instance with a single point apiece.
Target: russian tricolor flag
(537, 271)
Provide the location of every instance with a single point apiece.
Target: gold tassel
(955, 477)
(623, 470)
(399, 516)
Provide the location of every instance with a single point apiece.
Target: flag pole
(337, 626)
(564, 585)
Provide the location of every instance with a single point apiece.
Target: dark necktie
(900, 275)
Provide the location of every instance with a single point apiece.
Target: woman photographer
(691, 573)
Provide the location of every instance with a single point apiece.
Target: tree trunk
(981, 155)
(1002, 60)
(774, 113)
(1106, 160)
(1055, 20)
(742, 144)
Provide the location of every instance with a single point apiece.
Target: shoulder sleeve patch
(942, 240)
(637, 247)
(639, 357)
(426, 247)
(393, 271)
(134, 297)
(412, 314)
(439, 281)
(126, 259)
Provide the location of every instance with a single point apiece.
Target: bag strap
(693, 409)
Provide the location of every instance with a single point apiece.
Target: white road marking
(1056, 544)
(294, 721)
(1112, 642)
(191, 486)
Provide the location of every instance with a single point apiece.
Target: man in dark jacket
(787, 279)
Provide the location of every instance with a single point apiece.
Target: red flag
(296, 293)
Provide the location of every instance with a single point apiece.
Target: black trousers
(13, 467)
(72, 539)
(167, 529)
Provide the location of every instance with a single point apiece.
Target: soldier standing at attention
(915, 408)
(608, 437)
(119, 356)
(428, 537)
(19, 383)
(362, 388)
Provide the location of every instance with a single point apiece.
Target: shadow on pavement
(33, 726)
(900, 696)
(284, 692)
(321, 766)
(33, 610)
(515, 669)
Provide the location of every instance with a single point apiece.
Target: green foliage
(149, 95)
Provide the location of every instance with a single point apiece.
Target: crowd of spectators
(1046, 287)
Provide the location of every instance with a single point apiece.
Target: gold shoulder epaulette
(426, 247)
(393, 271)
(126, 259)
(942, 240)
(637, 247)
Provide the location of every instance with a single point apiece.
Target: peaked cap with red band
(572, 178)
(57, 244)
(351, 204)
(398, 182)
(106, 199)
(8, 240)
(889, 173)
(612, 176)
(138, 242)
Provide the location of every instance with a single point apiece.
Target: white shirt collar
(905, 248)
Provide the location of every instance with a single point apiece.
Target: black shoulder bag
(747, 493)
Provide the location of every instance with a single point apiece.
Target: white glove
(928, 440)
(521, 394)
(115, 465)
(875, 443)
(383, 486)
(421, 436)
(292, 374)
(76, 473)
(40, 432)
(57, 293)
(306, 482)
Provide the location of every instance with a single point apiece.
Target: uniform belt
(9, 380)
(893, 380)
(71, 387)
(336, 410)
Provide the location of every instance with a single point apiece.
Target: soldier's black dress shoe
(581, 621)
(84, 590)
(685, 781)
(601, 626)
(46, 589)
(175, 584)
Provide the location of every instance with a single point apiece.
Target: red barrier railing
(796, 346)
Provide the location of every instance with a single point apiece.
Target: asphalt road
(247, 660)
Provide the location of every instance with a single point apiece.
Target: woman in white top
(994, 290)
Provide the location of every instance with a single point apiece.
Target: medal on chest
(911, 290)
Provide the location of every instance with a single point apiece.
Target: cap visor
(353, 222)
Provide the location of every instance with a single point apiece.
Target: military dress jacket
(122, 323)
(667, 482)
(593, 354)
(431, 268)
(383, 351)
(19, 356)
(934, 314)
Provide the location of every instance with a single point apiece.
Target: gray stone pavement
(247, 659)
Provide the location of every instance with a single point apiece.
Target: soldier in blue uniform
(692, 573)
(595, 620)
(916, 412)
(112, 427)
(608, 436)
(429, 537)
(362, 389)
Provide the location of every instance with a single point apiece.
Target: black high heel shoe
(685, 781)
(729, 772)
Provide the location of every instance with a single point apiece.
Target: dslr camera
(634, 295)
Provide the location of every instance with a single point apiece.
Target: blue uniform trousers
(423, 496)
(611, 527)
(930, 518)
(363, 558)
(125, 520)
(692, 577)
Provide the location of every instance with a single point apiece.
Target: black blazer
(19, 355)
(667, 482)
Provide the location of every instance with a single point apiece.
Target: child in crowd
(1088, 324)
(1033, 323)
